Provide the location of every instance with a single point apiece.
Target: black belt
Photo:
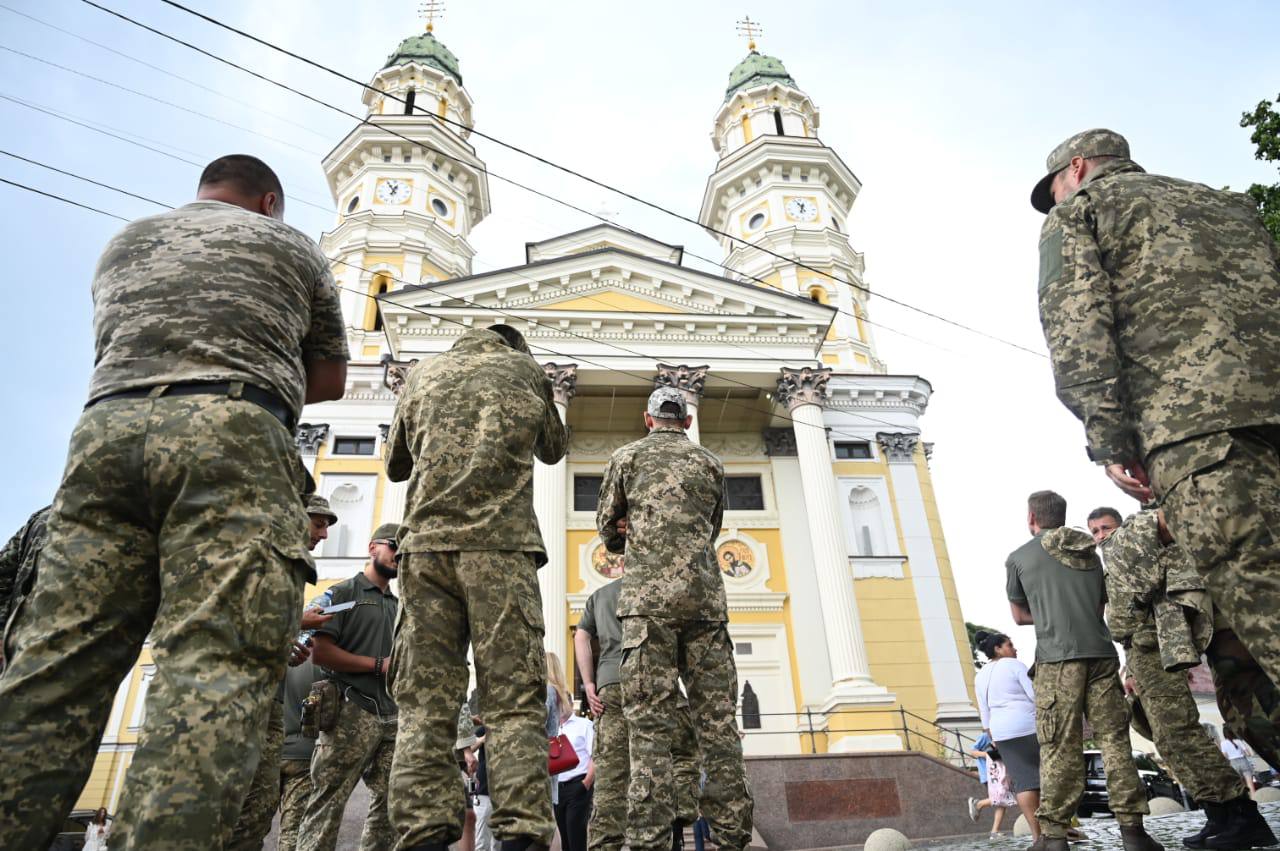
(265, 399)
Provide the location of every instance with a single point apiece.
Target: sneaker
(973, 809)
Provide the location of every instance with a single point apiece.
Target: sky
(945, 112)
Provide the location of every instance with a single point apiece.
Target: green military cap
(317, 504)
(1089, 143)
(386, 533)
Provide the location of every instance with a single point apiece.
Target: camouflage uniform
(466, 429)
(179, 518)
(295, 765)
(295, 791)
(1160, 302)
(260, 802)
(1071, 688)
(672, 605)
(1139, 570)
(1249, 702)
(18, 571)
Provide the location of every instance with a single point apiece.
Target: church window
(353, 203)
(853, 449)
(353, 445)
(742, 648)
(755, 222)
(408, 102)
(777, 122)
(408, 158)
(743, 493)
(386, 158)
(867, 523)
(835, 223)
(586, 492)
(750, 708)
(441, 208)
(380, 286)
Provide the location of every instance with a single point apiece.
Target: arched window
(750, 708)
(867, 523)
(746, 128)
(408, 102)
(818, 294)
(777, 122)
(442, 107)
(380, 285)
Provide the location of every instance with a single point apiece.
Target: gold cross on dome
(431, 10)
(749, 30)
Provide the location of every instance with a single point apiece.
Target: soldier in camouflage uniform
(18, 572)
(612, 754)
(179, 517)
(265, 790)
(670, 491)
(1055, 582)
(1151, 604)
(1160, 301)
(466, 430)
(1248, 700)
(354, 649)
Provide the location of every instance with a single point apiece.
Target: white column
(689, 380)
(803, 391)
(945, 661)
(393, 496)
(550, 495)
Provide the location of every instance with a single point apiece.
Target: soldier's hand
(1130, 685)
(621, 526)
(594, 701)
(314, 619)
(472, 761)
(299, 653)
(1132, 479)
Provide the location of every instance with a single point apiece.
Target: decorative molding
(384, 429)
(780, 443)
(308, 437)
(689, 379)
(597, 444)
(878, 567)
(928, 451)
(564, 381)
(734, 444)
(804, 386)
(394, 373)
(899, 447)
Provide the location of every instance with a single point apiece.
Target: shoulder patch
(1050, 258)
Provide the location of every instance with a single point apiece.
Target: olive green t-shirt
(297, 685)
(365, 630)
(600, 618)
(1065, 602)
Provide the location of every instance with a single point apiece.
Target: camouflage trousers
(263, 797)
(491, 600)
(1249, 702)
(612, 759)
(295, 791)
(1225, 512)
(179, 519)
(1066, 694)
(657, 653)
(1175, 724)
(359, 747)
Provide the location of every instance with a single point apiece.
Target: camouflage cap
(317, 504)
(385, 532)
(1088, 143)
(662, 396)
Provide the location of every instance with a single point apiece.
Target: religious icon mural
(605, 563)
(735, 559)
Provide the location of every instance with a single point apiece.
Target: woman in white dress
(95, 835)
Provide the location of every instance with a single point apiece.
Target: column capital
(394, 372)
(689, 379)
(780, 443)
(804, 386)
(898, 447)
(384, 429)
(564, 381)
(308, 437)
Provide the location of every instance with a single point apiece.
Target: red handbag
(560, 754)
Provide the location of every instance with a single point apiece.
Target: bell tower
(778, 187)
(405, 208)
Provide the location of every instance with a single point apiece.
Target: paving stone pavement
(1104, 834)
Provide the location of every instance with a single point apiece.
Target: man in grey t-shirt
(1055, 582)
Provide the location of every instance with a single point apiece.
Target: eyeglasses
(392, 544)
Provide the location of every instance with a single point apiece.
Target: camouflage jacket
(671, 491)
(212, 292)
(1160, 303)
(1156, 597)
(18, 562)
(465, 432)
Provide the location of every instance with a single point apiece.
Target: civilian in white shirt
(1238, 753)
(1007, 704)
(573, 806)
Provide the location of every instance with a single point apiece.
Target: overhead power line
(578, 174)
(60, 198)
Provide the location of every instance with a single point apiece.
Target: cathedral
(843, 608)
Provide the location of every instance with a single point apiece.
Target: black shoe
(1215, 822)
(522, 843)
(1136, 838)
(429, 846)
(1245, 827)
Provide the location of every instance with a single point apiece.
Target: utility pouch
(320, 709)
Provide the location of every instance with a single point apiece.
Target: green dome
(424, 48)
(757, 69)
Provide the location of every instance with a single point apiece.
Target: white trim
(139, 714)
(877, 567)
(845, 485)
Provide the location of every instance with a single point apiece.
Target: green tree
(971, 629)
(1265, 121)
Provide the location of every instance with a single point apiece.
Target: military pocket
(640, 789)
(1046, 721)
(530, 604)
(274, 598)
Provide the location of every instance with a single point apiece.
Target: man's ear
(271, 205)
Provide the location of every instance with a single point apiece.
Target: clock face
(802, 209)
(392, 191)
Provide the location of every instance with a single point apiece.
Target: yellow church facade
(844, 614)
